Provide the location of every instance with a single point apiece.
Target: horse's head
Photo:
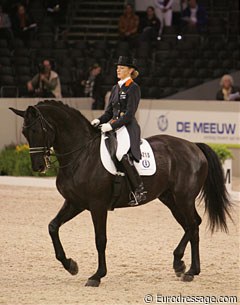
(40, 136)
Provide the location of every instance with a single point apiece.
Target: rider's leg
(111, 144)
(135, 180)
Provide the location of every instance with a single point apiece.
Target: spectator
(183, 4)
(23, 25)
(150, 25)
(194, 17)
(5, 26)
(46, 83)
(228, 92)
(53, 6)
(93, 87)
(164, 13)
(177, 7)
(56, 9)
(128, 24)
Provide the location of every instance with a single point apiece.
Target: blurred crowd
(188, 16)
(16, 20)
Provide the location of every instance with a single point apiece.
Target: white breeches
(165, 18)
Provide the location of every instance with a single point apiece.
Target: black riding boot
(139, 193)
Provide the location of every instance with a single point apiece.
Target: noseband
(41, 149)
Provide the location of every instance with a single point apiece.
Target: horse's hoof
(73, 267)
(187, 277)
(180, 270)
(92, 283)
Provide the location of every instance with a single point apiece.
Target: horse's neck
(71, 132)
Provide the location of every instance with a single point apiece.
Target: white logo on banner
(163, 122)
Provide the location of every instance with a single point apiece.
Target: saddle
(147, 164)
(114, 145)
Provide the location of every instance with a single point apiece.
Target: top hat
(127, 61)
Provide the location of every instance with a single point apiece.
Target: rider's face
(123, 72)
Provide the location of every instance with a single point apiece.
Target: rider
(123, 104)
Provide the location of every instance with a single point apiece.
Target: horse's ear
(32, 111)
(18, 112)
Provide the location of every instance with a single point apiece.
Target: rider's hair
(134, 74)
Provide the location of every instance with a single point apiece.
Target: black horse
(184, 170)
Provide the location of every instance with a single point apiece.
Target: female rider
(123, 104)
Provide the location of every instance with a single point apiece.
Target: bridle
(46, 150)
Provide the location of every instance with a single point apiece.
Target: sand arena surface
(139, 254)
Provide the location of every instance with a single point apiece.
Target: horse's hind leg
(184, 211)
(67, 212)
(191, 222)
(178, 264)
(194, 240)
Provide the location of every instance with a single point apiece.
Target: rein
(79, 149)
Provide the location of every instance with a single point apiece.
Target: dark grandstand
(83, 33)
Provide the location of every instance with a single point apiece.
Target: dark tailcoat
(201, 16)
(123, 104)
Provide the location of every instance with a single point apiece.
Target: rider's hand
(95, 122)
(106, 127)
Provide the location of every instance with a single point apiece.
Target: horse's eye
(34, 130)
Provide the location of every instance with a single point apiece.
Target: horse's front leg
(67, 212)
(99, 217)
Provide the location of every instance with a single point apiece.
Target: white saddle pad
(147, 164)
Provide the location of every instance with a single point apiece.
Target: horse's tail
(214, 193)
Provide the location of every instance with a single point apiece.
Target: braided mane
(70, 110)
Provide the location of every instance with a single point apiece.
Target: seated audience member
(5, 26)
(128, 24)
(93, 87)
(150, 25)
(56, 9)
(194, 17)
(228, 92)
(46, 83)
(183, 4)
(164, 13)
(52, 6)
(177, 7)
(23, 25)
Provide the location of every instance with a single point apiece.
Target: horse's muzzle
(38, 164)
